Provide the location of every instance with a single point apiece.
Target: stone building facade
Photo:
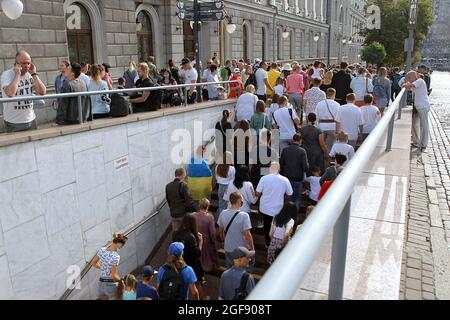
(118, 31)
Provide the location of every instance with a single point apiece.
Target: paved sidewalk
(417, 280)
(426, 257)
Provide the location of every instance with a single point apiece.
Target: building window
(279, 45)
(263, 44)
(144, 36)
(292, 46)
(245, 41)
(79, 34)
(189, 40)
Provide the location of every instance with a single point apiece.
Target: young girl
(224, 175)
(281, 230)
(273, 106)
(342, 147)
(279, 88)
(127, 288)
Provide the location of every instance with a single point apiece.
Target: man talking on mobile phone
(21, 80)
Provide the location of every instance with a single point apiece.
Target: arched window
(144, 36)
(263, 43)
(245, 41)
(79, 34)
(189, 40)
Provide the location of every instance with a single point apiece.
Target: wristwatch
(34, 74)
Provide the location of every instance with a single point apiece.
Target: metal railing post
(339, 254)
(185, 96)
(390, 134)
(80, 111)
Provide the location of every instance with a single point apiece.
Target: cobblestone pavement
(417, 280)
(426, 258)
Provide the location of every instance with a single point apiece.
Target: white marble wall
(61, 198)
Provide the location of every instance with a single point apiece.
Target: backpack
(241, 292)
(119, 105)
(395, 79)
(378, 89)
(172, 284)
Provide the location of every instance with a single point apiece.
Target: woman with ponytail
(107, 261)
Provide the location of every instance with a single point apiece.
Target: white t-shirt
(361, 86)
(323, 113)
(269, 111)
(206, 74)
(342, 148)
(279, 89)
(189, 76)
(280, 232)
(273, 188)
(20, 111)
(421, 94)
(317, 73)
(314, 183)
(283, 119)
(248, 193)
(371, 115)
(228, 179)
(350, 118)
(260, 75)
(246, 106)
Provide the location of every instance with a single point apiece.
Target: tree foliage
(394, 28)
(375, 53)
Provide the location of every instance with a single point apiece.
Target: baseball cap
(236, 70)
(257, 60)
(185, 60)
(422, 66)
(241, 252)
(148, 271)
(176, 249)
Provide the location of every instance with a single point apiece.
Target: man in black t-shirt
(142, 100)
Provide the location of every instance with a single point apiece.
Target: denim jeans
(16, 127)
(222, 203)
(297, 188)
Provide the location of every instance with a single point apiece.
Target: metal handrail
(93, 93)
(88, 265)
(284, 277)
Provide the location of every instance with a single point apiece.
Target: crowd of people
(294, 128)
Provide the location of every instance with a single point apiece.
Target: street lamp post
(329, 31)
(411, 27)
(274, 32)
(197, 45)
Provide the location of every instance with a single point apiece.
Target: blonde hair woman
(382, 89)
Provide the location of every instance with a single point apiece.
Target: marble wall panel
(26, 245)
(141, 183)
(118, 181)
(17, 160)
(121, 212)
(89, 168)
(115, 143)
(140, 150)
(93, 207)
(20, 200)
(6, 291)
(61, 208)
(55, 163)
(96, 238)
(137, 127)
(87, 140)
(143, 209)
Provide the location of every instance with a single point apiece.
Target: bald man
(272, 189)
(21, 80)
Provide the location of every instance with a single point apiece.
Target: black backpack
(241, 292)
(119, 105)
(172, 284)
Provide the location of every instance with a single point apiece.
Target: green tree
(374, 53)
(394, 28)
